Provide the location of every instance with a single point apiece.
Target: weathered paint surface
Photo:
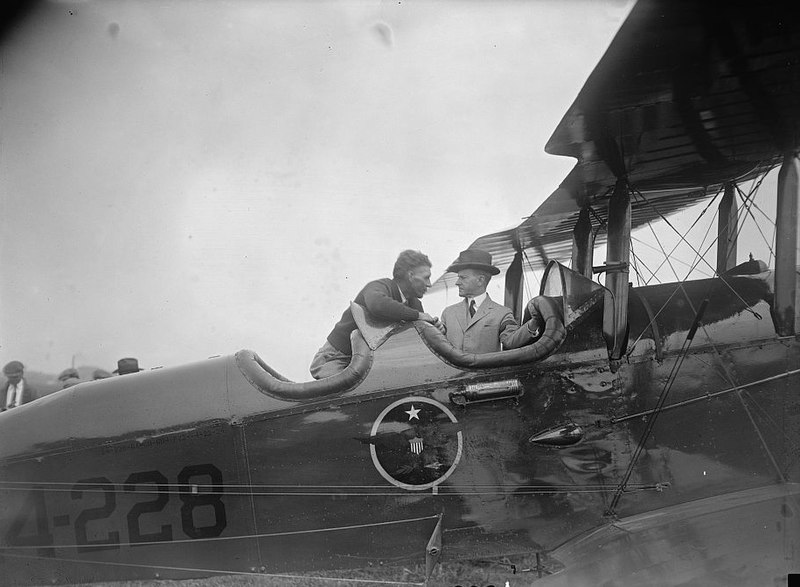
(181, 471)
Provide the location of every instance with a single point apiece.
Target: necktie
(471, 308)
(11, 396)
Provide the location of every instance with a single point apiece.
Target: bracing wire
(699, 257)
(647, 245)
(218, 539)
(302, 491)
(682, 237)
(211, 571)
(668, 256)
(662, 397)
(749, 202)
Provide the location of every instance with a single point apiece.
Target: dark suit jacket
(491, 325)
(28, 394)
(382, 299)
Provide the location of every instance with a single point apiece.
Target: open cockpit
(575, 312)
(385, 354)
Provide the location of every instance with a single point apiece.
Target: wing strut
(727, 233)
(618, 252)
(514, 281)
(583, 244)
(783, 313)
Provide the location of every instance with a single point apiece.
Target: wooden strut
(784, 311)
(618, 250)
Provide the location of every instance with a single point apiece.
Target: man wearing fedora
(16, 390)
(479, 324)
(395, 299)
(126, 366)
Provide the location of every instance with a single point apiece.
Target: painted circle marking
(416, 443)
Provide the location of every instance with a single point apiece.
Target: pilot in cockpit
(395, 299)
(479, 324)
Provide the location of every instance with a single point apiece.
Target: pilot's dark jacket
(383, 300)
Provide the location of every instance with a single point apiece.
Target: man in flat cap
(479, 324)
(100, 374)
(395, 299)
(16, 390)
(69, 377)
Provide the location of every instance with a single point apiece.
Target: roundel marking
(416, 443)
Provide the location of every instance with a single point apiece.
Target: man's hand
(425, 317)
(433, 320)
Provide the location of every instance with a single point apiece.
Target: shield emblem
(415, 443)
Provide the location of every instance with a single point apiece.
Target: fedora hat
(127, 365)
(474, 259)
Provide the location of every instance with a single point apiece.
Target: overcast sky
(183, 179)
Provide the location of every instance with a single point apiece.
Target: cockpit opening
(566, 297)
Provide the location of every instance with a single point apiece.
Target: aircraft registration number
(202, 511)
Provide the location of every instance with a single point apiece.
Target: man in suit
(479, 324)
(396, 299)
(16, 390)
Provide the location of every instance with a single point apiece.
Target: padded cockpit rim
(552, 337)
(271, 383)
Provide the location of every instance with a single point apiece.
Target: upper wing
(688, 96)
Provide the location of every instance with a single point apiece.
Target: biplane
(650, 436)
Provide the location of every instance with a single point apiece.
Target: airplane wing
(688, 96)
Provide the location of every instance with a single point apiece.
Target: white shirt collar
(478, 299)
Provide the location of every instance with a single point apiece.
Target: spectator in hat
(15, 390)
(68, 378)
(479, 324)
(126, 366)
(396, 299)
(100, 374)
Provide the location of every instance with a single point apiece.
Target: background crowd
(17, 390)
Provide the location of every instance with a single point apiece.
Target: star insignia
(412, 413)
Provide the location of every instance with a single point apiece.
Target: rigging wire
(706, 397)
(667, 256)
(227, 538)
(726, 375)
(303, 491)
(635, 264)
(212, 571)
(708, 230)
(639, 261)
(601, 222)
(662, 397)
(748, 202)
(700, 257)
(676, 367)
(790, 440)
(533, 272)
(646, 244)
